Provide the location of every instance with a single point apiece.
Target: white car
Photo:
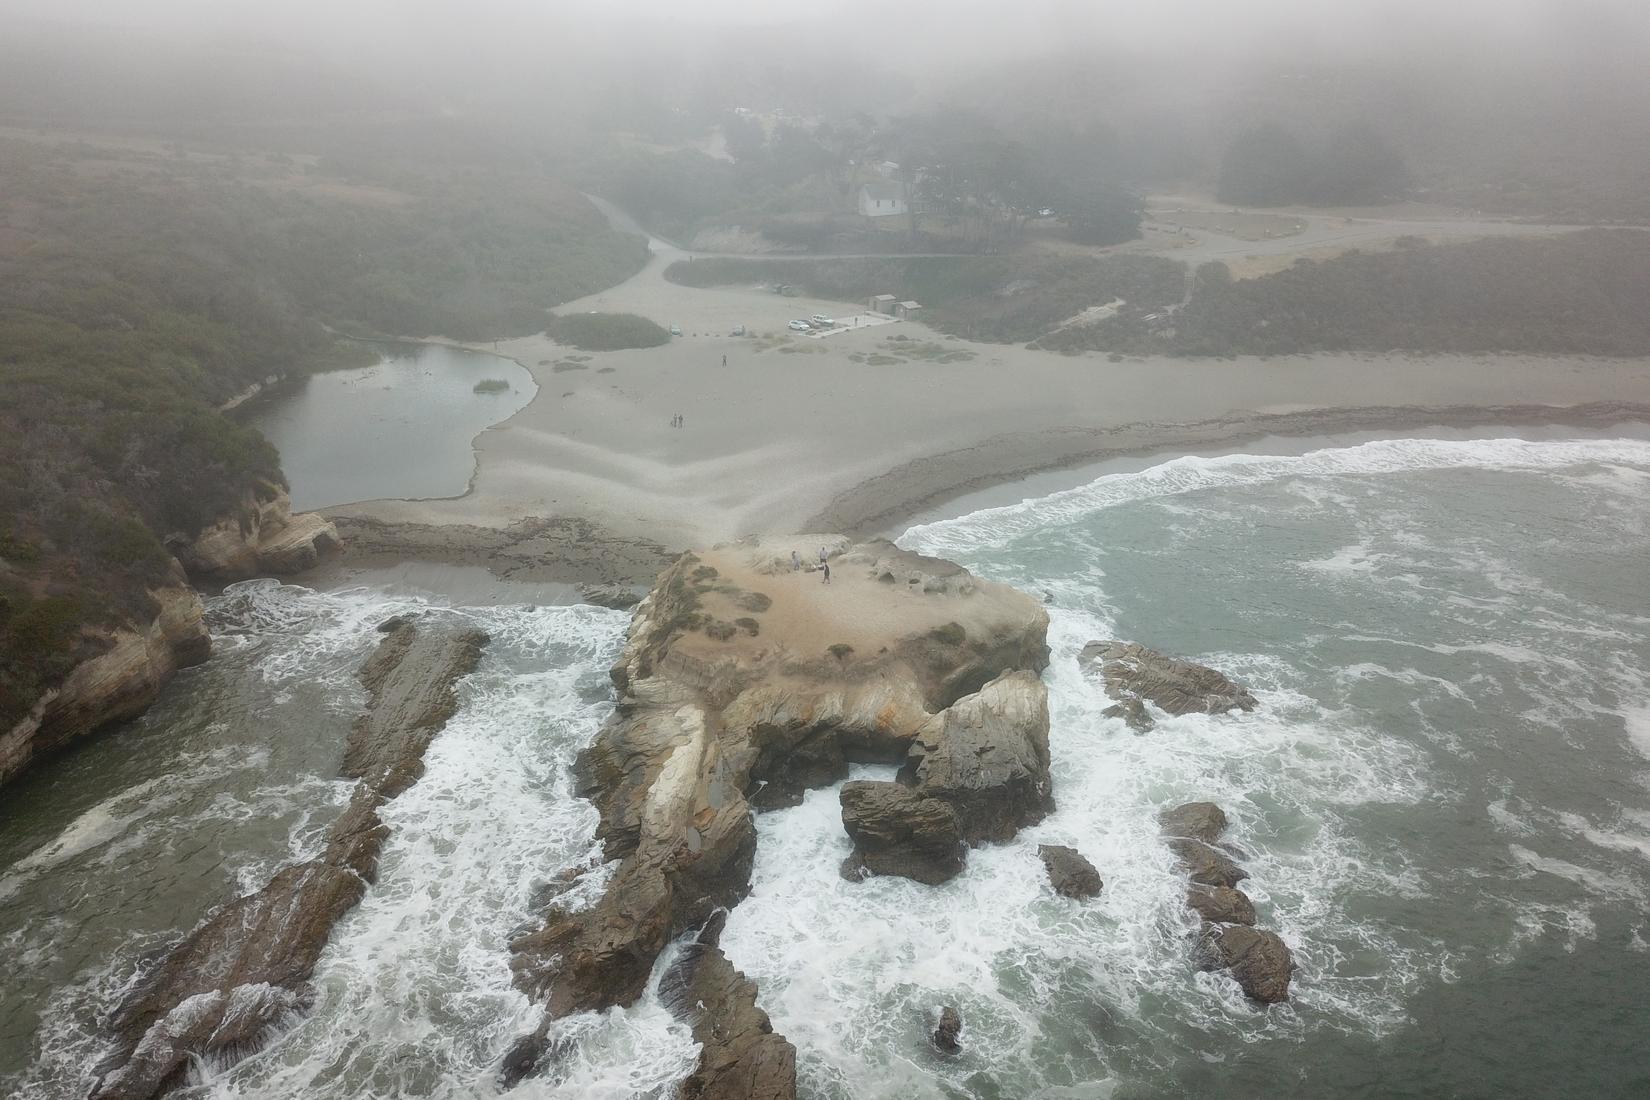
(801, 326)
(819, 320)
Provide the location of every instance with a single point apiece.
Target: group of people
(676, 421)
(824, 563)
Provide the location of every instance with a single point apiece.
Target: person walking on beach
(724, 360)
(822, 555)
(796, 562)
(825, 566)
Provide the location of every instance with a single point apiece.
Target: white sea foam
(994, 527)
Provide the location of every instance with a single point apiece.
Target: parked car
(676, 330)
(738, 330)
(801, 326)
(819, 320)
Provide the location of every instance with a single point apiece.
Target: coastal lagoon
(401, 428)
(1443, 801)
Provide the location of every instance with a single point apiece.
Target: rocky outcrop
(120, 682)
(1134, 675)
(246, 967)
(741, 1057)
(1071, 875)
(1221, 904)
(984, 758)
(1259, 960)
(743, 683)
(1202, 821)
(987, 755)
(262, 538)
(618, 597)
(897, 831)
(947, 1036)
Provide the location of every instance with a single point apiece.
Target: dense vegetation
(999, 299)
(1584, 293)
(1353, 166)
(606, 331)
(141, 287)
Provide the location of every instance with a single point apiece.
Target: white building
(882, 200)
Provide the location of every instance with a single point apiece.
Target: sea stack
(746, 680)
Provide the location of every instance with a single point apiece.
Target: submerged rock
(1134, 712)
(247, 966)
(947, 1037)
(898, 831)
(1071, 875)
(1133, 672)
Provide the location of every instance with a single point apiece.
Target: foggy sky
(964, 30)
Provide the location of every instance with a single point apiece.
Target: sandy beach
(793, 432)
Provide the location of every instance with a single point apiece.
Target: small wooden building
(883, 303)
(907, 311)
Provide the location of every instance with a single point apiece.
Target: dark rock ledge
(236, 976)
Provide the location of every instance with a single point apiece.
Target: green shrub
(606, 331)
(492, 385)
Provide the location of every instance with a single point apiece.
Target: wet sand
(799, 433)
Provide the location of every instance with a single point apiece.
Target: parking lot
(851, 323)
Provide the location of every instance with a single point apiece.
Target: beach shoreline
(1000, 470)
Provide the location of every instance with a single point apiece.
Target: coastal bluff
(745, 680)
(122, 664)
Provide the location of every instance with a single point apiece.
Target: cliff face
(119, 683)
(261, 538)
(744, 682)
(136, 659)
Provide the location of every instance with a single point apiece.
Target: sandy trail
(791, 427)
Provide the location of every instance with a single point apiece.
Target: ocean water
(1444, 801)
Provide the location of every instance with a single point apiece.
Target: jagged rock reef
(742, 1058)
(234, 977)
(1259, 960)
(1135, 675)
(745, 681)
